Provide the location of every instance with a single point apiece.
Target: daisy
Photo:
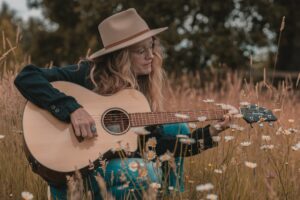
(181, 136)
(267, 146)
(228, 138)
(2, 136)
(181, 116)
(204, 187)
(296, 147)
(140, 131)
(150, 155)
(291, 120)
(27, 195)
(212, 196)
(216, 138)
(155, 185)
(165, 157)
(266, 137)
(187, 140)
(133, 166)
(250, 164)
(208, 100)
(246, 143)
(244, 103)
(192, 125)
(218, 171)
(202, 119)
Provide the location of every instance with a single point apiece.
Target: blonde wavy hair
(113, 72)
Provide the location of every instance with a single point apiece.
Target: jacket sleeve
(34, 84)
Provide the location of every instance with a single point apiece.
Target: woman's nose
(149, 53)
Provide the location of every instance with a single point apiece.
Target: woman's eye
(141, 51)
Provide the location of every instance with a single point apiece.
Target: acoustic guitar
(54, 151)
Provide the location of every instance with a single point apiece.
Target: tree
(201, 33)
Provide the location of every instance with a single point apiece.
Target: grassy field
(259, 162)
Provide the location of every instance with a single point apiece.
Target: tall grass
(277, 168)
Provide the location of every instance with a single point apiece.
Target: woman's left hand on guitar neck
(216, 128)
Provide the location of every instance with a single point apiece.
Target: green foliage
(201, 33)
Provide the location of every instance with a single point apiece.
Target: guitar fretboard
(154, 118)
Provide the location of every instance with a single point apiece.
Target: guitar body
(51, 145)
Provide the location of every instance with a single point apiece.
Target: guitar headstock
(253, 113)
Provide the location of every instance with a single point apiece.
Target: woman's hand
(220, 126)
(83, 123)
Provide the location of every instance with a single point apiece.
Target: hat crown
(121, 26)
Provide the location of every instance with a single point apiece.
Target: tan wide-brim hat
(122, 30)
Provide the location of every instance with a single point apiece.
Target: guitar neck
(155, 118)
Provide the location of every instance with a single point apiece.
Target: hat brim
(130, 42)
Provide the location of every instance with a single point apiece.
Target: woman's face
(141, 55)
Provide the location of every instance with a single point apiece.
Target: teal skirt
(126, 178)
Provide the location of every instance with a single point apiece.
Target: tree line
(201, 34)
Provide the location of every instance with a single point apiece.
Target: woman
(131, 58)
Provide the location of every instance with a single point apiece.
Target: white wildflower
(276, 110)
(192, 125)
(246, 143)
(267, 146)
(187, 140)
(286, 132)
(140, 130)
(228, 138)
(204, 187)
(211, 196)
(2, 136)
(155, 185)
(296, 147)
(231, 109)
(181, 116)
(292, 130)
(150, 155)
(133, 166)
(279, 131)
(244, 103)
(291, 120)
(165, 157)
(216, 138)
(217, 127)
(208, 100)
(27, 195)
(218, 171)
(250, 164)
(236, 127)
(266, 137)
(171, 188)
(181, 136)
(202, 119)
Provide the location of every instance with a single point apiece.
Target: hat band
(126, 39)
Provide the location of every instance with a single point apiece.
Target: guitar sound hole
(116, 121)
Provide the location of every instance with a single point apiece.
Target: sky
(21, 8)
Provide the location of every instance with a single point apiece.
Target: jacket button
(57, 110)
(52, 107)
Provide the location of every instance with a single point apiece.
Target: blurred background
(215, 35)
(231, 51)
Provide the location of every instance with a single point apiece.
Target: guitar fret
(152, 118)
